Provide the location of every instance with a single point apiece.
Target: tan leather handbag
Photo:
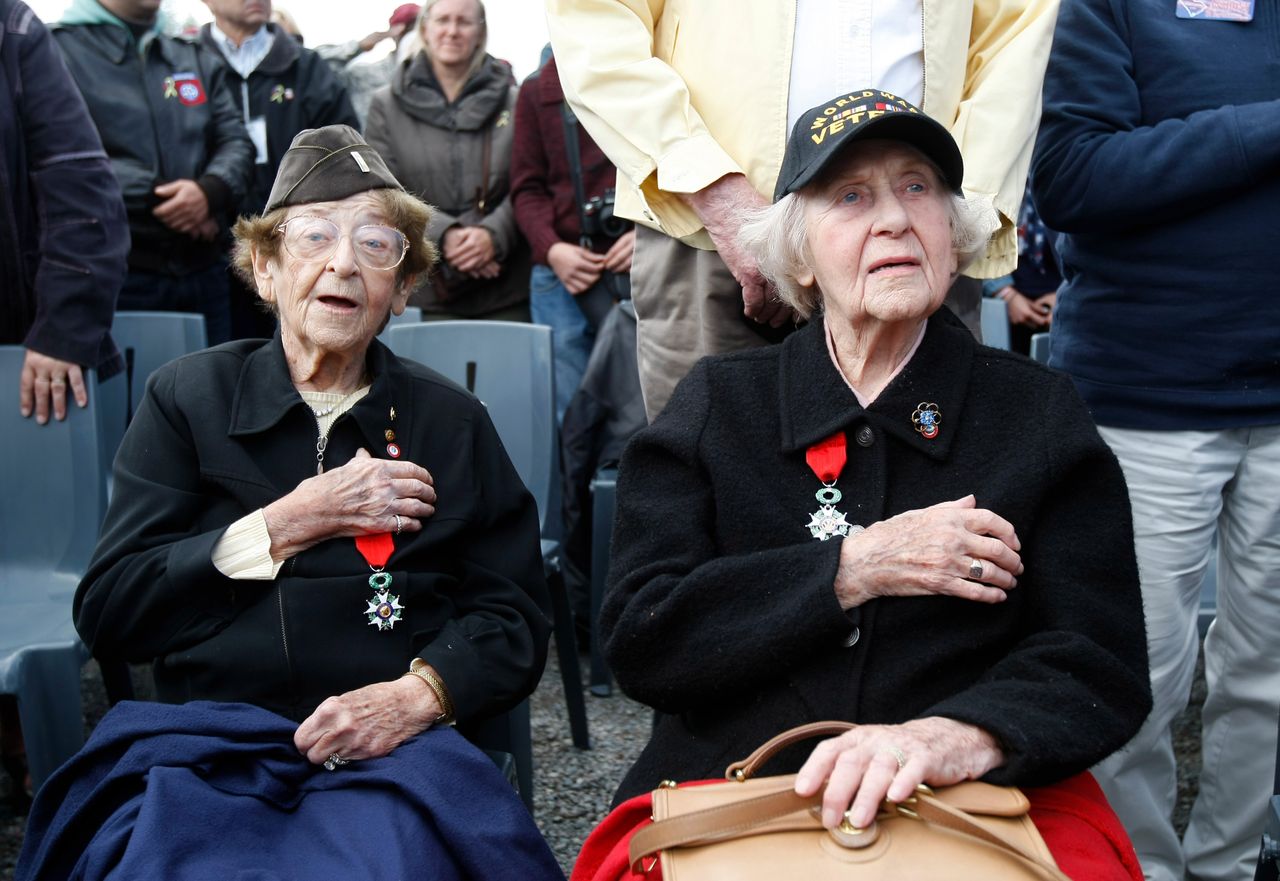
(749, 829)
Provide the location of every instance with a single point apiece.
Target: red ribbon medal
(826, 459)
(383, 610)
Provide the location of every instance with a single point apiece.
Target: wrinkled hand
(369, 722)
(468, 248)
(577, 268)
(184, 208)
(618, 257)
(861, 769)
(929, 551)
(43, 386)
(358, 498)
(720, 207)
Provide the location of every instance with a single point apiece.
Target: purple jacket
(63, 235)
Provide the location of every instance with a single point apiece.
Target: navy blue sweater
(1159, 156)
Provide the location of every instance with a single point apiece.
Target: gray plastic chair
(1040, 346)
(50, 509)
(152, 339)
(410, 315)
(995, 323)
(508, 366)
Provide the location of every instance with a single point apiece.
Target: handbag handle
(728, 821)
(746, 769)
(736, 819)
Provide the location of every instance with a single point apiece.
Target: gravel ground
(573, 787)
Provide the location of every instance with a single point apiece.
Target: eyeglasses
(316, 238)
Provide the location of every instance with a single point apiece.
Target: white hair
(777, 236)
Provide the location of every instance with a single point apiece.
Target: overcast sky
(517, 28)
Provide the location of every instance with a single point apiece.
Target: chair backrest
(151, 339)
(1040, 343)
(508, 366)
(52, 494)
(995, 323)
(410, 315)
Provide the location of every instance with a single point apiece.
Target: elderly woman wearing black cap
(879, 520)
(309, 524)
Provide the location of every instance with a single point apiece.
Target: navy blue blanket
(218, 791)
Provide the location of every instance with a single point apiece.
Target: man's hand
(184, 209)
(576, 267)
(720, 206)
(44, 382)
(618, 258)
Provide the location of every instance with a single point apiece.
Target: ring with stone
(976, 568)
(334, 762)
(399, 523)
(898, 755)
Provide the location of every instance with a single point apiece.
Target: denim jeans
(207, 291)
(572, 333)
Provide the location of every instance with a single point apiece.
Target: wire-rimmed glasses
(312, 238)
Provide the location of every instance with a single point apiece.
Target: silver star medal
(384, 609)
(827, 522)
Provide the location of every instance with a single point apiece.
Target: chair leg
(520, 732)
(567, 652)
(49, 707)
(602, 504)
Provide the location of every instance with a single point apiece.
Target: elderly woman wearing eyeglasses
(309, 524)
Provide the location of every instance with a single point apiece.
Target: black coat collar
(816, 403)
(265, 394)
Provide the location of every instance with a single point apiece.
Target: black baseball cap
(821, 133)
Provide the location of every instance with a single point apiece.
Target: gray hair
(777, 236)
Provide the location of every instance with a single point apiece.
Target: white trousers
(1182, 485)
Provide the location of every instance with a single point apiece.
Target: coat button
(865, 436)
(852, 639)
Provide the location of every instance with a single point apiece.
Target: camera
(598, 218)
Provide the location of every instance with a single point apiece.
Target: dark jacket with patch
(222, 433)
(163, 114)
(63, 239)
(290, 90)
(721, 613)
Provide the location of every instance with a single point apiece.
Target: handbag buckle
(855, 837)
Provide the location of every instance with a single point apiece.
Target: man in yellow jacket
(692, 100)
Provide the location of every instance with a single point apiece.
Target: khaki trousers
(688, 305)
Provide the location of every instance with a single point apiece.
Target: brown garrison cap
(328, 164)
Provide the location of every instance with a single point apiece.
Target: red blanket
(1082, 832)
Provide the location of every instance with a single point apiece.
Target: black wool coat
(721, 612)
(222, 433)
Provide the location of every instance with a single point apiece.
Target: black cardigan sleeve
(685, 624)
(491, 653)
(1074, 687)
(152, 587)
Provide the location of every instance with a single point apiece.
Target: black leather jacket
(164, 113)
